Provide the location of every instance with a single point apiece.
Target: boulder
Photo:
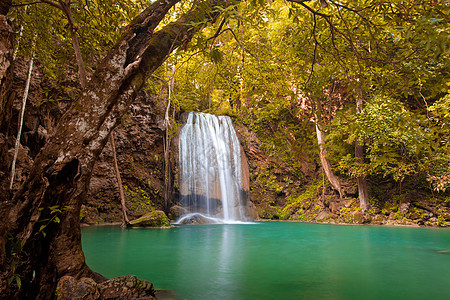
(196, 219)
(252, 211)
(357, 217)
(323, 215)
(71, 288)
(155, 218)
(123, 287)
(177, 211)
(367, 218)
(126, 287)
(404, 207)
(433, 219)
(379, 219)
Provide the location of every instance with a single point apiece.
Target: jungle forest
(308, 140)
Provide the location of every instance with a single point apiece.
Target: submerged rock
(155, 218)
(123, 287)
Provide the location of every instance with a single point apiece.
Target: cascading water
(210, 169)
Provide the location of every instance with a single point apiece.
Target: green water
(278, 260)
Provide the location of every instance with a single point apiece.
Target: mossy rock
(155, 218)
(267, 212)
(357, 217)
(379, 219)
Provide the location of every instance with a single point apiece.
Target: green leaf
(18, 282)
(215, 55)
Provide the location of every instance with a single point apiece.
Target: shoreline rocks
(122, 287)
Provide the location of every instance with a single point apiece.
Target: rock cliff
(139, 145)
(140, 155)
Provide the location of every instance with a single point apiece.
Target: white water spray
(210, 169)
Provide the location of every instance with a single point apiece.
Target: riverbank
(331, 221)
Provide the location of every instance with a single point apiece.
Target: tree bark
(332, 178)
(6, 94)
(361, 181)
(167, 179)
(6, 101)
(363, 193)
(125, 220)
(62, 169)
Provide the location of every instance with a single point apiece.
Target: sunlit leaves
(399, 142)
(98, 24)
(385, 122)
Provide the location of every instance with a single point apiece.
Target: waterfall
(210, 168)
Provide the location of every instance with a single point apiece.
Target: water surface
(278, 260)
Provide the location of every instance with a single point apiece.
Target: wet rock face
(139, 145)
(140, 156)
(177, 211)
(40, 116)
(123, 287)
(259, 161)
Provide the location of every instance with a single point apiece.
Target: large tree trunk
(6, 97)
(59, 178)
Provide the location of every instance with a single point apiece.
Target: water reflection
(278, 260)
